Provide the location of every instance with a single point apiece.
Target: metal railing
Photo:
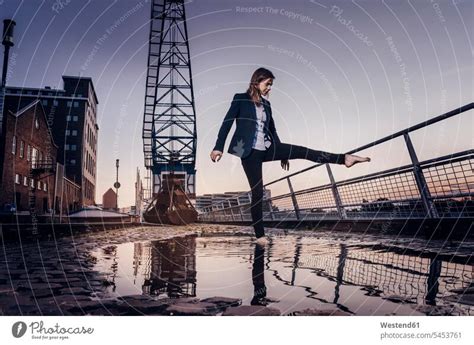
(442, 187)
(389, 271)
(42, 166)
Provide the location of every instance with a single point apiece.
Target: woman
(256, 141)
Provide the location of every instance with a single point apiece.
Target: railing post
(420, 180)
(231, 212)
(340, 210)
(240, 209)
(249, 196)
(293, 199)
(272, 217)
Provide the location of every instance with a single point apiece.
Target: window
(22, 149)
(39, 185)
(76, 104)
(73, 147)
(25, 181)
(74, 118)
(55, 103)
(17, 178)
(34, 157)
(68, 132)
(74, 133)
(14, 145)
(73, 162)
(28, 153)
(68, 118)
(44, 102)
(32, 183)
(67, 147)
(69, 104)
(45, 187)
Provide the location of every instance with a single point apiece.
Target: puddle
(292, 274)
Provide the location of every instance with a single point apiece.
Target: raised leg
(283, 151)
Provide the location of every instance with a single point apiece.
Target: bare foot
(261, 241)
(350, 160)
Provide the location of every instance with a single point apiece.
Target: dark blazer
(242, 109)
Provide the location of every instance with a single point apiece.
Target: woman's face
(265, 86)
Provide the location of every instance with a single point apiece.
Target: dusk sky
(347, 73)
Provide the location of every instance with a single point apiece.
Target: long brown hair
(258, 76)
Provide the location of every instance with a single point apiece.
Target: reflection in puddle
(293, 273)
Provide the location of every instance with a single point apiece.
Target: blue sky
(347, 73)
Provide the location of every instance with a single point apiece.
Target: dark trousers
(252, 165)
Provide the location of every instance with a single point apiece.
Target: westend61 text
(400, 325)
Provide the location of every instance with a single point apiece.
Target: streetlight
(116, 185)
(7, 41)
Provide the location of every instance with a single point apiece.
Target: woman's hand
(216, 156)
(285, 164)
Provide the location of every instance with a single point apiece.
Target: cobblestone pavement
(57, 277)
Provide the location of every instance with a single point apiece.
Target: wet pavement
(217, 270)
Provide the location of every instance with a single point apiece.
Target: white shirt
(261, 142)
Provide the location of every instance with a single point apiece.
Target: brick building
(71, 113)
(67, 194)
(109, 200)
(29, 160)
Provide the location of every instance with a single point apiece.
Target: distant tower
(138, 194)
(7, 41)
(169, 122)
